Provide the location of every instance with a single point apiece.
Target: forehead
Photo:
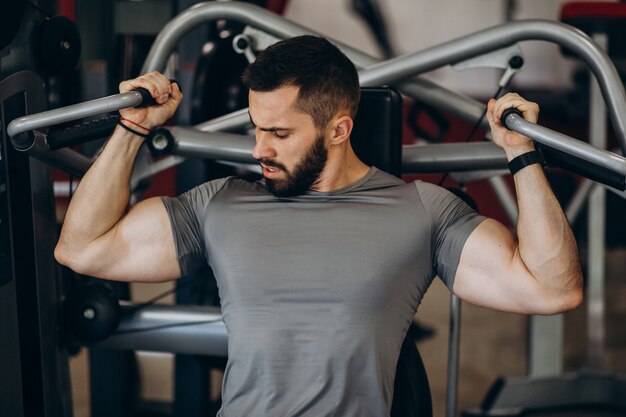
(277, 108)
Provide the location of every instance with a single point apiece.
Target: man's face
(289, 148)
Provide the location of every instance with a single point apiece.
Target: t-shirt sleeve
(187, 213)
(452, 221)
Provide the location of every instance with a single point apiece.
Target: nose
(263, 148)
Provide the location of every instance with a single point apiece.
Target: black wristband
(133, 131)
(525, 159)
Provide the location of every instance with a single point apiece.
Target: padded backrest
(377, 133)
(377, 140)
(411, 394)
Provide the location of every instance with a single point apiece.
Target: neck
(342, 168)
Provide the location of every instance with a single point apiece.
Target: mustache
(272, 164)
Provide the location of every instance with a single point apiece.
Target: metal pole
(453, 356)
(597, 232)
(73, 112)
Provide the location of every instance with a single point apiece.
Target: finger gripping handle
(146, 96)
(507, 113)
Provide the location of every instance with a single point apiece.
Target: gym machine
(34, 367)
(606, 167)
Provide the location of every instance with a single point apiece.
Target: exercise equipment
(372, 15)
(601, 166)
(546, 387)
(92, 312)
(58, 45)
(207, 139)
(35, 377)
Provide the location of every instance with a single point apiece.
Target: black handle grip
(572, 163)
(581, 167)
(81, 133)
(146, 96)
(506, 114)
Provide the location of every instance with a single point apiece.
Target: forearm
(538, 272)
(103, 194)
(546, 244)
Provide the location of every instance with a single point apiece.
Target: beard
(304, 175)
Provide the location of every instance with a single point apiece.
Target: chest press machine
(605, 166)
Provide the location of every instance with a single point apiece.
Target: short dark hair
(327, 79)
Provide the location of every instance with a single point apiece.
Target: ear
(341, 129)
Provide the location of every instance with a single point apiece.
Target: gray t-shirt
(318, 290)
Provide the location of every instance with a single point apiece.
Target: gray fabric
(318, 290)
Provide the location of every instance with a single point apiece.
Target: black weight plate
(59, 45)
(92, 312)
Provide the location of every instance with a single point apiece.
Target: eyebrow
(269, 129)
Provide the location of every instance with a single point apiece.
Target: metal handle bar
(204, 332)
(513, 120)
(563, 151)
(420, 89)
(66, 159)
(449, 52)
(400, 68)
(188, 142)
(18, 128)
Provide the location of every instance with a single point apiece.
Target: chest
(336, 253)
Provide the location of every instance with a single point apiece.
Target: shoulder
(201, 195)
(430, 193)
(428, 188)
(379, 180)
(442, 203)
(210, 189)
(384, 178)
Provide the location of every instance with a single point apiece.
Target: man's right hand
(166, 94)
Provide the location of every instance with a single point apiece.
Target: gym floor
(493, 344)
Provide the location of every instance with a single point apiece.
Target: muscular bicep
(140, 247)
(492, 274)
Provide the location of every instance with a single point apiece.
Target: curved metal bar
(452, 157)
(190, 142)
(256, 16)
(442, 99)
(464, 107)
(420, 89)
(191, 330)
(234, 120)
(73, 112)
(504, 35)
(68, 160)
(400, 68)
(569, 145)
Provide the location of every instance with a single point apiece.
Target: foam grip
(507, 113)
(146, 96)
(556, 158)
(82, 132)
